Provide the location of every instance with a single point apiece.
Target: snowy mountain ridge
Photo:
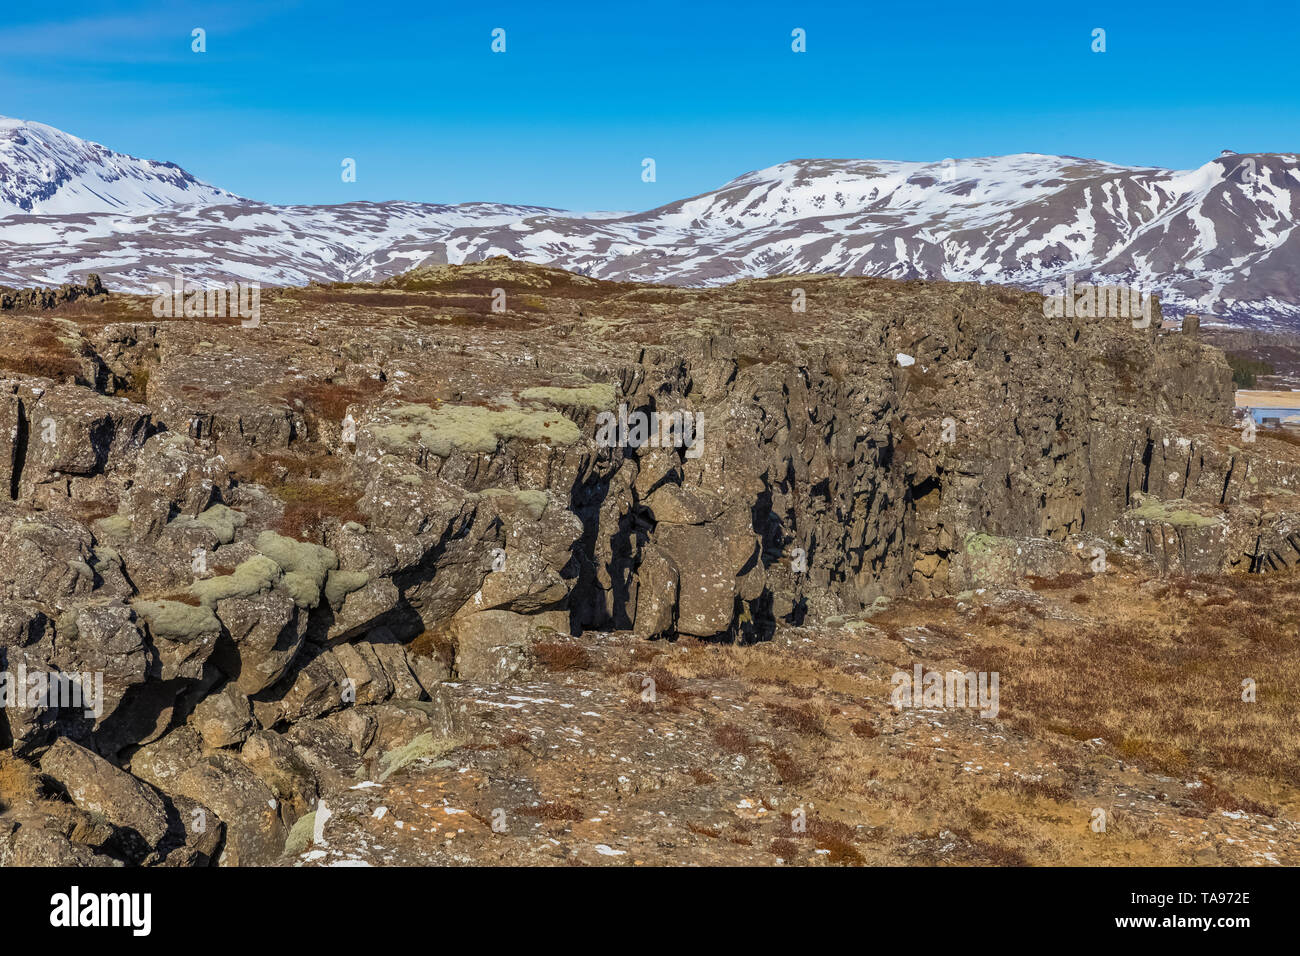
(1219, 239)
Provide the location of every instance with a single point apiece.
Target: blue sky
(412, 91)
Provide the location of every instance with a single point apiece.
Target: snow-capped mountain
(47, 171)
(1219, 239)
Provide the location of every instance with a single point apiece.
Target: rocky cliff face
(275, 544)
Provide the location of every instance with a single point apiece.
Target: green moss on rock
(219, 519)
(425, 745)
(301, 835)
(65, 625)
(534, 501)
(222, 522)
(470, 428)
(259, 573)
(1165, 513)
(176, 621)
(305, 565)
(81, 568)
(979, 543)
(299, 567)
(313, 560)
(105, 558)
(583, 396)
(340, 584)
(117, 527)
(303, 588)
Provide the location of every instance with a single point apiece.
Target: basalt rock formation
(274, 546)
(50, 298)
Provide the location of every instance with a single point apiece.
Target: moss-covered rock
(176, 620)
(219, 519)
(339, 584)
(470, 428)
(313, 560)
(582, 396)
(534, 502)
(426, 745)
(114, 527)
(1170, 513)
(258, 573)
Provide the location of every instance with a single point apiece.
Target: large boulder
(74, 433)
(266, 631)
(223, 718)
(255, 833)
(493, 646)
(94, 784)
(23, 846)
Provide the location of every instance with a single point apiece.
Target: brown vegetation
(562, 656)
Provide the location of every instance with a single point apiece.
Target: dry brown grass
(19, 781)
(836, 838)
(180, 597)
(1163, 684)
(94, 312)
(784, 847)
(667, 685)
(645, 653)
(562, 656)
(987, 853)
(435, 644)
(864, 729)
(1060, 582)
(733, 739)
(1137, 675)
(802, 720)
(35, 349)
(1213, 797)
(308, 505)
(554, 812)
(1282, 435)
(1035, 789)
(513, 738)
(329, 401)
(89, 510)
(788, 769)
(797, 674)
(700, 776)
(311, 485)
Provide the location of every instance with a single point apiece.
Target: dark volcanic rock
(44, 298)
(276, 552)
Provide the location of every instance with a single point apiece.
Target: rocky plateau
(372, 579)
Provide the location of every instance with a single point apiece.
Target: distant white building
(1272, 408)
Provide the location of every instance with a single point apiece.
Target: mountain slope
(1219, 239)
(47, 171)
